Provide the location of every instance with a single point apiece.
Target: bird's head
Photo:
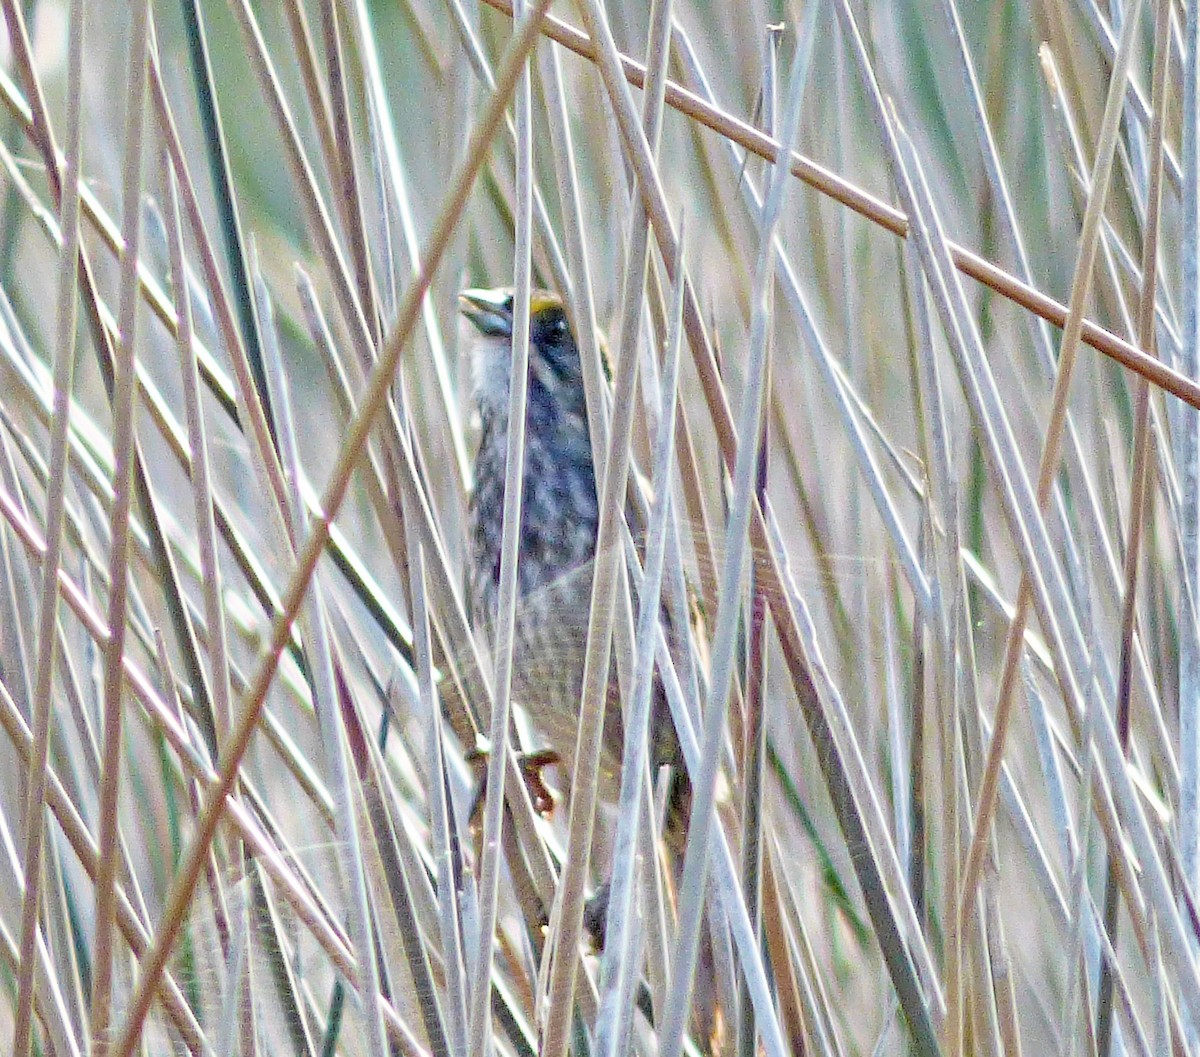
(554, 365)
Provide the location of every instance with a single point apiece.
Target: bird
(559, 523)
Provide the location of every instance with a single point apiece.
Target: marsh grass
(925, 497)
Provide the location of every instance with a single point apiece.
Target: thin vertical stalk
(619, 961)
(349, 194)
(480, 1033)
(606, 577)
(124, 455)
(1187, 445)
(221, 177)
(63, 385)
(447, 855)
(579, 295)
(1139, 484)
(750, 430)
(754, 740)
(212, 585)
(202, 487)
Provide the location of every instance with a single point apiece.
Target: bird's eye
(558, 327)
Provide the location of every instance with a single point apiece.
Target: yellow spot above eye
(539, 301)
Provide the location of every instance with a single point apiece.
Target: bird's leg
(531, 764)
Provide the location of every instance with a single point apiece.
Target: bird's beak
(489, 310)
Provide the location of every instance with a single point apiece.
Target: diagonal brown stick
(879, 212)
(374, 400)
(1081, 285)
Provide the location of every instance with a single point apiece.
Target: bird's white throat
(491, 369)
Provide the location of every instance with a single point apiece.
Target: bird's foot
(531, 764)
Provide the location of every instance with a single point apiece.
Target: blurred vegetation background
(957, 645)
